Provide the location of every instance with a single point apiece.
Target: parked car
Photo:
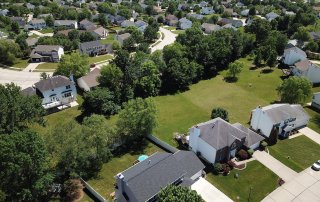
(316, 165)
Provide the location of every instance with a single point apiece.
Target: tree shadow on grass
(229, 79)
(266, 71)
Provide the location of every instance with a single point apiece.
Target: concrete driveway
(169, 38)
(39, 33)
(304, 187)
(286, 173)
(208, 192)
(31, 67)
(313, 135)
(20, 78)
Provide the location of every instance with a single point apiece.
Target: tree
(172, 7)
(49, 21)
(17, 111)
(151, 32)
(15, 27)
(122, 59)
(261, 28)
(21, 41)
(137, 119)
(257, 58)
(312, 46)
(74, 35)
(160, 19)
(100, 101)
(24, 167)
(111, 77)
(234, 69)
(295, 90)
(149, 80)
(86, 36)
(272, 59)
(44, 76)
(74, 63)
(72, 189)
(252, 11)
(102, 19)
(302, 34)
(174, 193)
(219, 112)
(9, 51)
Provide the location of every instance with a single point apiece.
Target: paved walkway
(304, 187)
(276, 166)
(313, 135)
(31, 67)
(208, 192)
(169, 38)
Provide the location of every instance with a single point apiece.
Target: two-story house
(143, 181)
(121, 38)
(307, 69)
(46, 53)
(292, 55)
(86, 24)
(69, 24)
(54, 91)
(93, 48)
(35, 24)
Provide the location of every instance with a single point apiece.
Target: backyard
(297, 153)
(256, 177)
(99, 58)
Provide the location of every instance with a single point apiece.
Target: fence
(93, 192)
(162, 144)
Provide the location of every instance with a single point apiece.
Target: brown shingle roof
(91, 79)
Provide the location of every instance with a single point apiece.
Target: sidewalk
(313, 135)
(275, 166)
(31, 67)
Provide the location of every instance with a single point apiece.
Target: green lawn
(99, 58)
(21, 64)
(314, 122)
(179, 31)
(177, 113)
(297, 153)
(104, 183)
(46, 30)
(48, 65)
(109, 39)
(262, 181)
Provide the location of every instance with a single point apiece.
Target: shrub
(219, 112)
(231, 164)
(250, 152)
(217, 167)
(263, 144)
(226, 169)
(243, 154)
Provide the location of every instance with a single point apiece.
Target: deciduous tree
(75, 64)
(219, 112)
(174, 193)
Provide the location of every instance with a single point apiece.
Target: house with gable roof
(292, 55)
(46, 53)
(307, 69)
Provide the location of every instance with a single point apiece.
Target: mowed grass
(109, 39)
(104, 183)
(46, 30)
(48, 66)
(21, 64)
(177, 113)
(261, 180)
(99, 58)
(298, 153)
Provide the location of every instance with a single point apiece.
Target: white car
(316, 165)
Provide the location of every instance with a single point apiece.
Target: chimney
(120, 182)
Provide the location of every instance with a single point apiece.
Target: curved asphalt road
(169, 38)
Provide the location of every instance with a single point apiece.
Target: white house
(54, 91)
(316, 100)
(307, 69)
(46, 53)
(89, 81)
(282, 118)
(70, 24)
(217, 140)
(293, 55)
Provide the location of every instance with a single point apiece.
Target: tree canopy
(174, 193)
(219, 112)
(75, 64)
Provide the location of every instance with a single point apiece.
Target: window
(68, 87)
(66, 95)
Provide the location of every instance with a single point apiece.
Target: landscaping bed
(298, 153)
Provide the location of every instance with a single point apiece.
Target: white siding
(83, 85)
(59, 95)
(313, 74)
(316, 100)
(60, 52)
(261, 121)
(255, 146)
(207, 151)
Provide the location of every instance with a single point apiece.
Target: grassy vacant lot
(48, 65)
(297, 153)
(99, 58)
(21, 64)
(177, 113)
(104, 183)
(258, 177)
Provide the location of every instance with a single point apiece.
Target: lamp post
(250, 194)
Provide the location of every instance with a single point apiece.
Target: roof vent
(213, 125)
(149, 161)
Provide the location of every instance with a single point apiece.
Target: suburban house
(217, 140)
(207, 11)
(141, 25)
(89, 81)
(20, 20)
(35, 24)
(244, 12)
(143, 181)
(46, 53)
(4, 12)
(208, 28)
(69, 24)
(316, 100)
(271, 16)
(86, 24)
(307, 69)
(30, 6)
(32, 41)
(93, 48)
(293, 55)
(195, 15)
(314, 36)
(127, 23)
(54, 91)
(99, 32)
(122, 37)
(172, 20)
(234, 23)
(279, 118)
(184, 23)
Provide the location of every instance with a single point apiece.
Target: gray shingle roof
(53, 82)
(46, 48)
(297, 50)
(91, 78)
(29, 91)
(280, 112)
(146, 178)
(219, 133)
(251, 137)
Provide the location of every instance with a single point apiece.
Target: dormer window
(68, 87)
